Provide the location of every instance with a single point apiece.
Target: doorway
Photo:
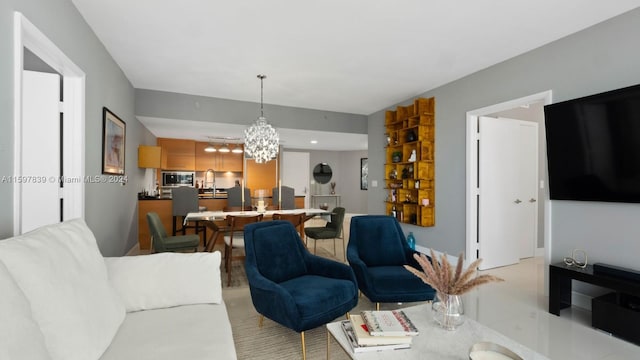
(295, 173)
(473, 193)
(67, 195)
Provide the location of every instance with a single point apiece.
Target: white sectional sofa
(61, 300)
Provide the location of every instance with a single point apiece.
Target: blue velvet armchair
(291, 286)
(377, 251)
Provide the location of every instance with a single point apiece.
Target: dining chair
(234, 238)
(332, 230)
(288, 198)
(161, 242)
(296, 219)
(234, 196)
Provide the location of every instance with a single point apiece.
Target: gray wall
(598, 59)
(346, 174)
(110, 209)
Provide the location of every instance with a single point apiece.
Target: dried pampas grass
(444, 279)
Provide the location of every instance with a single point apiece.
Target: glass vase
(448, 311)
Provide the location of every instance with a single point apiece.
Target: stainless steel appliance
(178, 178)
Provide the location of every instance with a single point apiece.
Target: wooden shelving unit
(409, 164)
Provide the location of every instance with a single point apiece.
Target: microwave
(178, 178)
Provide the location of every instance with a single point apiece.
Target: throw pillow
(62, 274)
(164, 280)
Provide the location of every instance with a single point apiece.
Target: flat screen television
(593, 147)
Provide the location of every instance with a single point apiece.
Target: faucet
(212, 184)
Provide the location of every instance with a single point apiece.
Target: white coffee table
(435, 342)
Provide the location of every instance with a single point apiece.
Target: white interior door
(507, 205)
(528, 187)
(497, 170)
(295, 173)
(40, 151)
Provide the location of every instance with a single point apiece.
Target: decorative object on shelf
(364, 173)
(113, 143)
(393, 174)
(324, 206)
(578, 258)
(261, 140)
(416, 184)
(388, 139)
(449, 284)
(333, 187)
(412, 157)
(396, 156)
(411, 136)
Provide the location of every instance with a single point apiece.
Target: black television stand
(608, 313)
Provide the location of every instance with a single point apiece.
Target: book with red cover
(389, 323)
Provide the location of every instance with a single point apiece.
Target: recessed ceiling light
(314, 141)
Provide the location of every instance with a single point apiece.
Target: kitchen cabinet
(261, 176)
(177, 154)
(216, 160)
(410, 162)
(149, 156)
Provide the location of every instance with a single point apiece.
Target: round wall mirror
(322, 173)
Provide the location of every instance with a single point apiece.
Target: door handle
(532, 200)
(518, 201)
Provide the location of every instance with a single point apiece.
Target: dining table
(215, 220)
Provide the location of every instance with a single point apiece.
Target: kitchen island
(162, 206)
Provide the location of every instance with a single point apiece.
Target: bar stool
(184, 200)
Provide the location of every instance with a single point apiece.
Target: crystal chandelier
(261, 139)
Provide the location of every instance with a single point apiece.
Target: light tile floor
(518, 307)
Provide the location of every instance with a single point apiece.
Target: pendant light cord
(261, 77)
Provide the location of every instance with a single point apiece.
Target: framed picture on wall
(364, 173)
(113, 143)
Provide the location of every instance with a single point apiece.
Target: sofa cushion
(20, 337)
(190, 332)
(166, 279)
(62, 274)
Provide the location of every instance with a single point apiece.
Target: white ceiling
(354, 56)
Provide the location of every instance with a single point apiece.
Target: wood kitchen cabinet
(149, 156)
(261, 176)
(177, 154)
(216, 160)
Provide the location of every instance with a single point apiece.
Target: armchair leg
(377, 306)
(260, 320)
(304, 349)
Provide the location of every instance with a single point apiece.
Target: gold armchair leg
(347, 315)
(328, 342)
(260, 320)
(304, 349)
(378, 306)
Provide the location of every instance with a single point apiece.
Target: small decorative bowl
(324, 206)
(487, 351)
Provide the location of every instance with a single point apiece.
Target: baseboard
(134, 250)
(424, 250)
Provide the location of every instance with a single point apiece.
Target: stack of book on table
(379, 330)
